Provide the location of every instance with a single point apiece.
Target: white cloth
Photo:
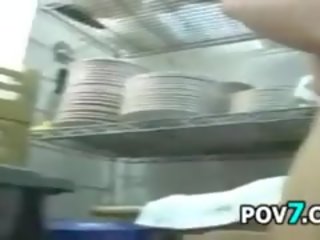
(211, 209)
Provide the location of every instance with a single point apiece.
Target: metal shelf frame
(22, 178)
(277, 130)
(197, 45)
(148, 18)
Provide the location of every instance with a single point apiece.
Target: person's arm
(302, 185)
(295, 23)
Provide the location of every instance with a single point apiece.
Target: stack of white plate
(166, 95)
(94, 91)
(256, 100)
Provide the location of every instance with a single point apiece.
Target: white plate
(95, 89)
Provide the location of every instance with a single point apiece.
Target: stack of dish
(167, 95)
(94, 91)
(256, 100)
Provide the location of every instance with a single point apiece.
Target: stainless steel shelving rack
(203, 135)
(260, 132)
(251, 136)
(173, 24)
(220, 138)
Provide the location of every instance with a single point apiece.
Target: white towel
(210, 209)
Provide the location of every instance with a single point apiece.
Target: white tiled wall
(47, 31)
(91, 175)
(152, 181)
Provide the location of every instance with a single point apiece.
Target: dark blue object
(75, 230)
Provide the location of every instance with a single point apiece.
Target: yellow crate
(13, 143)
(18, 91)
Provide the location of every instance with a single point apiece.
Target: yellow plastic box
(18, 91)
(13, 142)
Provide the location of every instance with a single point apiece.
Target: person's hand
(291, 22)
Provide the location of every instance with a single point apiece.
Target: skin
(293, 23)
